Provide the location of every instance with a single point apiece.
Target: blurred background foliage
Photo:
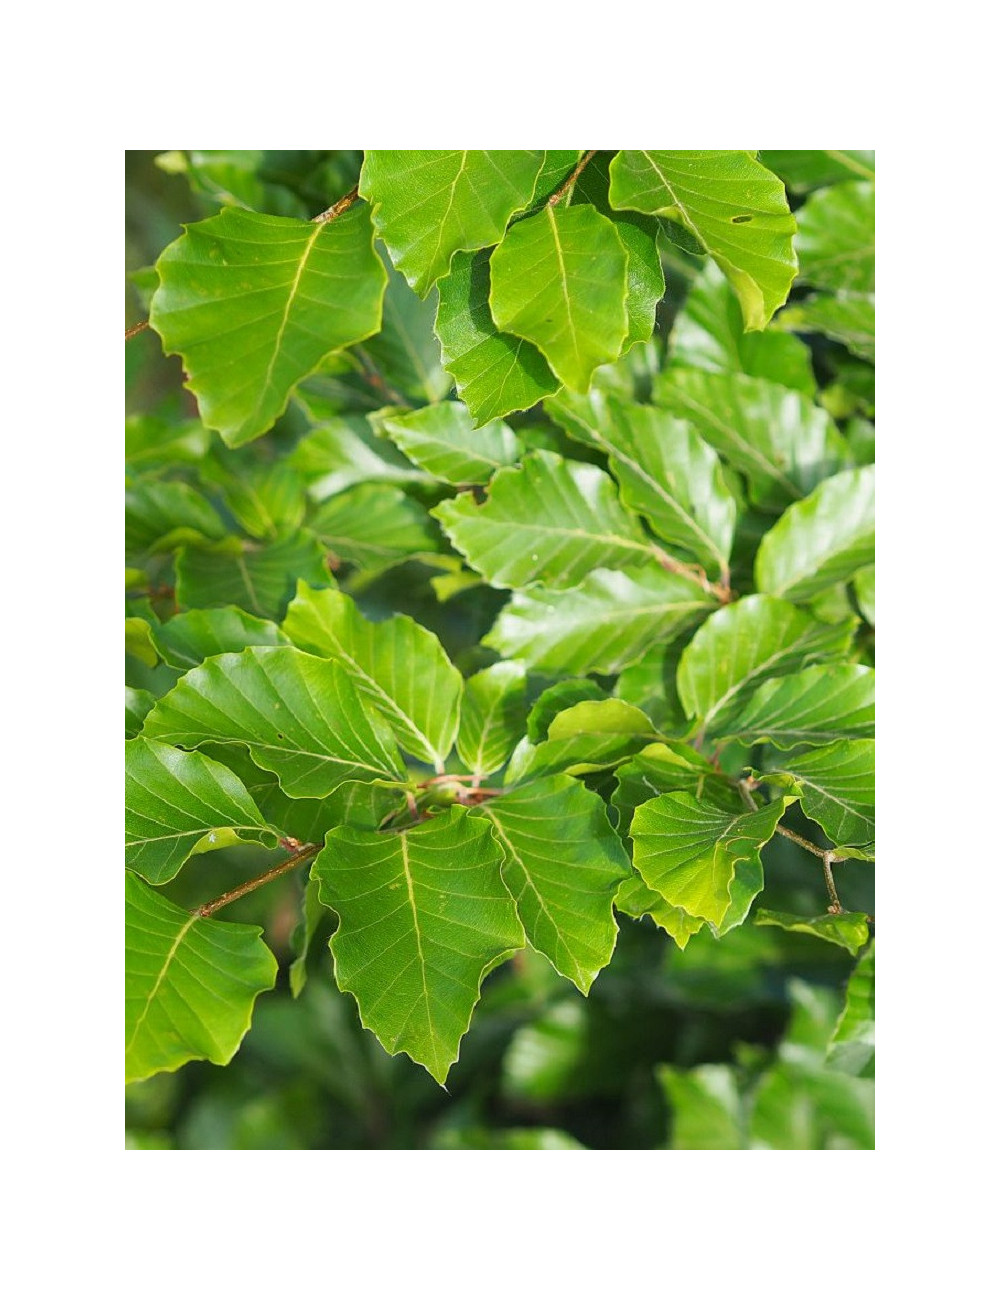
(721, 1046)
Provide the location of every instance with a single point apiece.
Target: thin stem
(133, 330)
(808, 845)
(570, 180)
(337, 208)
(720, 590)
(831, 888)
(304, 854)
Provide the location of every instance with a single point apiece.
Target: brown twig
(337, 208)
(831, 888)
(304, 854)
(570, 180)
(720, 590)
(133, 330)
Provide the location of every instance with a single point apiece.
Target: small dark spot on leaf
(738, 221)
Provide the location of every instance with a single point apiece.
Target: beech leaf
(443, 440)
(494, 709)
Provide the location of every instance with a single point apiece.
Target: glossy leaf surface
(548, 520)
(494, 709)
(815, 707)
(443, 440)
(190, 983)
(837, 787)
(398, 667)
(559, 280)
(733, 205)
(186, 639)
(428, 204)
(562, 864)
(847, 929)
(836, 238)
(177, 804)
(821, 540)
(300, 717)
(423, 916)
(253, 303)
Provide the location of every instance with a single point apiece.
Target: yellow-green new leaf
(178, 804)
(822, 540)
(562, 864)
(548, 520)
(559, 280)
(300, 717)
(734, 206)
(399, 667)
(190, 983)
(688, 851)
(636, 899)
(424, 915)
(252, 304)
(428, 204)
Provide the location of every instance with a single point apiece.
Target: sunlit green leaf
(374, 526)
(137, 705)
(707, 1111)
(300, 717)
(805, 169)
(836, 238)
(666, 471)
(554, 699)
(688, 851)
(495, 373)
(549, 520)
(342, 450)
(815, 707)
(177, 804)
(847, 317)
(636, 899)
(776, 436)
(848, 929)
(494, 711)
(822, 539)
(428, 204)
(864, 589)
(253, 304)
(852, 1044)
(559, 280)
(443, 440)
(397, 666)
(743, 644)
(662, 768)
(423, 916)
(190, 983)
(735, 207)
(405, 352)
(600, 626)
(186, 639)
(562, 863)
(836, 784)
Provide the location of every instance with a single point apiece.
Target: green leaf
(636, 899)
(178, 804)
(559, 280)
(266, 500)
(137, 705)
(707, 1112)
(602, 625)
(744, 643)
(587, 736)
(424, 915)
(374, 526)
(444, 442)
(562, 864)
(548, 520)
(162, 516)
(688, 851)
(495, 373)
(190, 983)
(849, 318)
(494, 709)
(311, 916)
(252, 304)
(852, 1044)
(864, 590)
(342, 450)
(822, 704)
(554, 699)
(651, 683)
(805, 169)
(259, 579)
(836, 238)
(821, 540)
(735, 207)
(428, 204)
(777, 437)
(139, 642)
(152, 441)
(837, 787)
(708, 334)
(186, 639)
(664, 768)
(848, 929)
(638, 235)
(666, 471)
(405, 351)
(397, 666)
(300, 717)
